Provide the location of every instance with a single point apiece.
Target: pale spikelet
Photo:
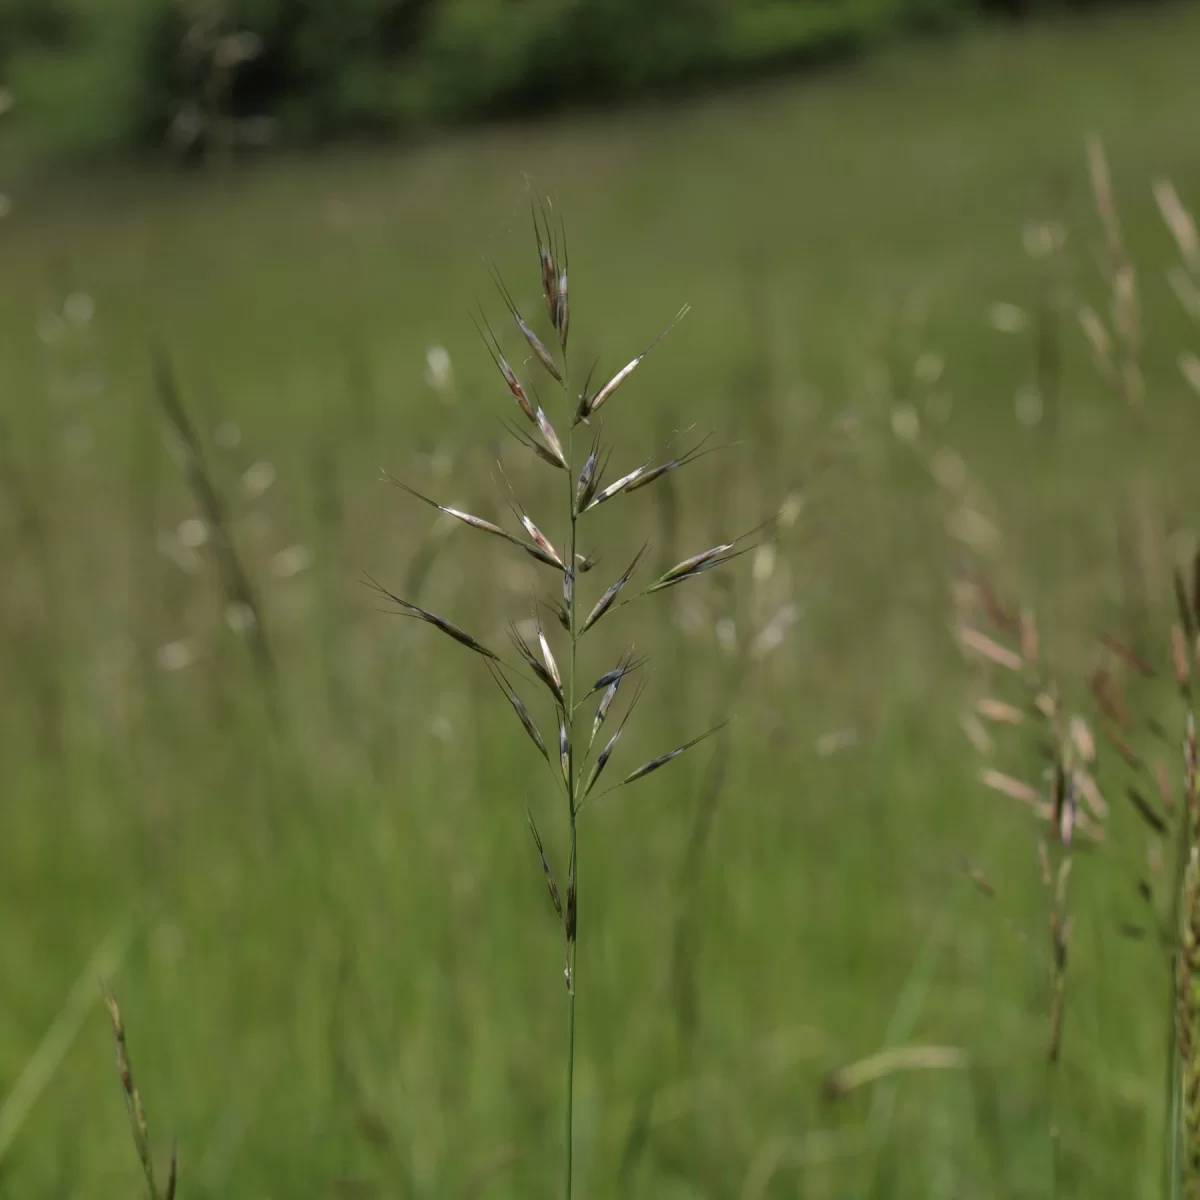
(541, 541)
(1189, 367)
(552, 444)
(1015, 789)
(1186, 289)
(1029, 636)
(1102, 191)
(548, 659)
(1098, 337)
(605, 754)
(656, 473)
(1126, 312)
(1007, 318)
(1081, 738)
(989, 648)
(617, 487)
(589, 405)
(1000, 711)
(689, 568)
(1089, 789)
(977, 735)
(564, 748)
(553, 685)
(889, 1062)
(969, 526)
(609, 683)
(1179, 221)
(541, 550)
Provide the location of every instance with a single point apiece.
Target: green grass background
(341, 976)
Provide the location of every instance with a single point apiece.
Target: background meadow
(296, 846)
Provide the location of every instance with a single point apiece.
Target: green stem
(569, 1145)
(572, 806)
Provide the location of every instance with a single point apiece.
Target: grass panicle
(560, 675)
(137, 1114)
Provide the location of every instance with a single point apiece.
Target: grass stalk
(580, 768)
(572, 806)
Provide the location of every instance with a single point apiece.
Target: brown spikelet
(1196, 587)
(608, 599)
(1162, 779)
(535, 343)
(447, 627)
(519, 707)
(995, 611)
(656, 473)
(1029, 636)
(1108, 696)
(133, 1105)
(509, 375)
(977, 877)
(1183, 604)
(546, 871)
(1181, 660)
(1147, 811)
(661, 761)
(1122, 747)
(172, 1174)
(1131, 657)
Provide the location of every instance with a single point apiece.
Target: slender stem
(570, 1131)
(572, 803)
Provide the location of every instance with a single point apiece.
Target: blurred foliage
(90, 75)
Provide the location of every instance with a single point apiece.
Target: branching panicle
(585, 491)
